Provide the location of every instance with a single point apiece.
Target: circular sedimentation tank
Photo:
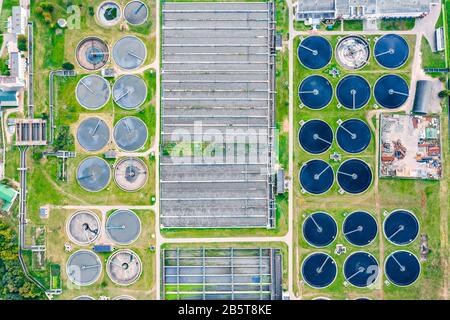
(360, 228)
(92, 53)
(93, 134)
(315, 136)
(315, 92)
(353, 52)
(353, 136)
(93, 92)
(83, 267)
(354, 176)
(316, 176)
(402, 268)
(319, 229)
(93, 174)
(129, 92)
(391, 91)
(353, 92)
(84, 298)
(123, 227)
(391, 51)
(314, 52)
(319, 270)
(130, 174)
(124, 297)
(136, 12)
(109, 13)
(130, 134)
(83, 227)
(361, 269)
(129, 52)
(401, 227)
(124, 267)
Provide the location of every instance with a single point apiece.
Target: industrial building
(218, 91)
(222, 274)
(309, 10)
(31, 132)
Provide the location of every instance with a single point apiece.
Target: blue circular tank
(353, 136)
(316, 176)
(402, 268)
(354, 176)
(391, 91)
(315, 52)
(315, 136)
(353, 92)
(361, 269)
(319, 229)
(315, 92)
(360, 228)
(319, 270)
(401, 227)
(391, 51)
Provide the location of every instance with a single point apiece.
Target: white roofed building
(17, 22)
(362, 9)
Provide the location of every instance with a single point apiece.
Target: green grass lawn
(353, 25)
(431, 59)
(396, 25)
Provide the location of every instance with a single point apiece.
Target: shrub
(68, 66)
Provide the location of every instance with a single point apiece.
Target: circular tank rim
(97, 76)
(298, 137)
(114, 130)
(99, 274)
(331, 57)
(99, 20)
(69, 219)
(335, 222)
(357, 245)
(365, 252)
(129, 76)
(383, 76)
(418, 227)
(306, 258)
(356, 153)
(143, 60)
(96, 38)
(371, 172)
(370, 91)
(123, 243)
(110, 174)
(109, 131)
(352, 36)
(131, 252)
(119, 161)
(316, 194)
(418, 262)
(402, 65)
(135, 24)
(332, 92)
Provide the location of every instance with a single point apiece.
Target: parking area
(217, 94)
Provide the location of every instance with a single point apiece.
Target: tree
(444, 93)
(22, 43)
(68, 66)
(13, 283)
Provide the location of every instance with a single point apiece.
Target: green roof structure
(7, 197)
